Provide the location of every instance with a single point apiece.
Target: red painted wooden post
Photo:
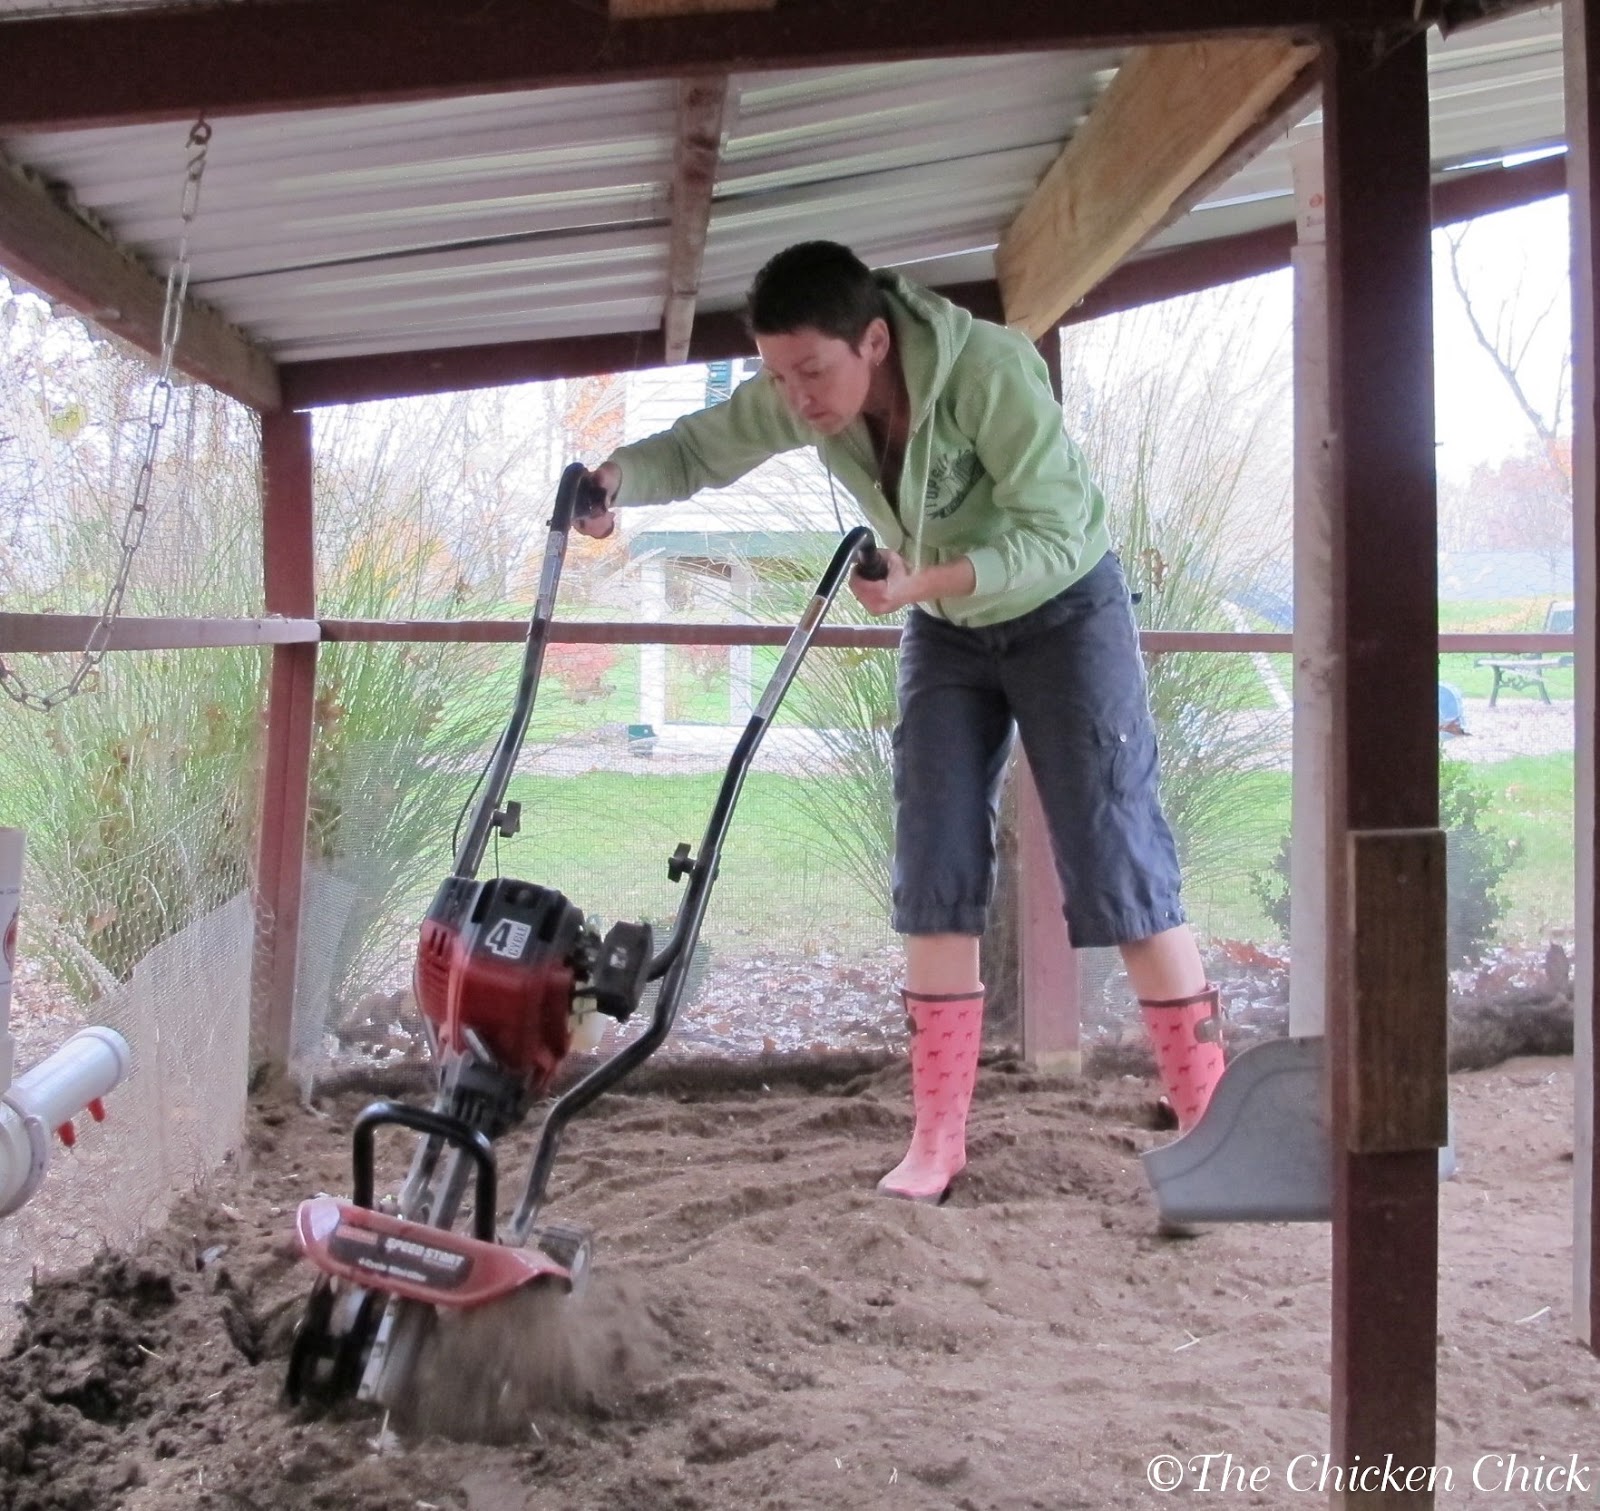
(1583, 168)
(1384, 766)
(1049, 1016)
(287, 543)
(1049, 975)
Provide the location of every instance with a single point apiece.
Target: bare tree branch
(1508, 355)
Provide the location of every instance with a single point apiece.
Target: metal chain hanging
(160, 407)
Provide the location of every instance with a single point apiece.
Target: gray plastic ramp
(1262, 1152)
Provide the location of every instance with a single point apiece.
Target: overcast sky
(1515, 263)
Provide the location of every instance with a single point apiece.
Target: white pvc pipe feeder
(91, 1064)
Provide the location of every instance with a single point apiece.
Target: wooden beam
(1486, 191)
(1223, 259)
(288, 551)
(459, 369)
(69, 632)
(1050, 1019)
(1168, 116)
(716, 336)
(1050, 1013)
(53, 251)
(652, 10)
(1312, 714)
(1280, 117)
(165, 64)
(1581, 24)
(702, 104)
(597, 632)
(134, 632)
(1385, 747)
(1399, 992)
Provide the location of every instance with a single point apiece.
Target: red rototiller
(507, 973)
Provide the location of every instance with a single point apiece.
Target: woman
(945, 430)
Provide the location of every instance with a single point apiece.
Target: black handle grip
(591, 499)
(870, 563)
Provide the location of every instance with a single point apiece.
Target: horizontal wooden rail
(68, 632)
(615, 632)
(599, 632)
(1482, 643)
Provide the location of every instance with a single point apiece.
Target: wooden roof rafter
(654, 10)
(64, 257)
(122, 68)
(702, 108)
(1169, 119)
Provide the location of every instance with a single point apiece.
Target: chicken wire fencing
(795, 953)
(138, 802)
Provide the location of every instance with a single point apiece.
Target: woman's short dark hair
(817, 285)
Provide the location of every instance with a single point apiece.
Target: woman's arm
(903, 587)
(708, 449)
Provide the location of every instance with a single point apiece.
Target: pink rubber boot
(945, 1033)
(1186, 1034)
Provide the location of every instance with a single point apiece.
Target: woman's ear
(875, 341)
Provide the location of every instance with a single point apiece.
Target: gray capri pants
(1068, 678)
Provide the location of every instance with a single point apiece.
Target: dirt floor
(763, 1331)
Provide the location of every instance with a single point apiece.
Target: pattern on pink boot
(1186, 1035)
(945, 1036)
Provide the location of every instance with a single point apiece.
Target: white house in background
(694, 560)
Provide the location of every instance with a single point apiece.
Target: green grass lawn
(604, 839)
(1531, 802)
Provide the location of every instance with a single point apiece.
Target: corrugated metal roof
(508, 217)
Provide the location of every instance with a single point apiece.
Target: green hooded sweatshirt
(988, 474)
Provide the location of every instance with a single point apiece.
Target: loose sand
(764, 1331)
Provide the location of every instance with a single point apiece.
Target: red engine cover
(519, 1009)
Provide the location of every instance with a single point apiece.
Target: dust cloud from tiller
(488, 1375)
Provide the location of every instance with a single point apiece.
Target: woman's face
(823, 381)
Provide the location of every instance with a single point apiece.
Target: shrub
(847, 697)
(581, 670)
(139, 801)
(1477, 860)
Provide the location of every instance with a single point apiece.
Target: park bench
(1528, 669)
